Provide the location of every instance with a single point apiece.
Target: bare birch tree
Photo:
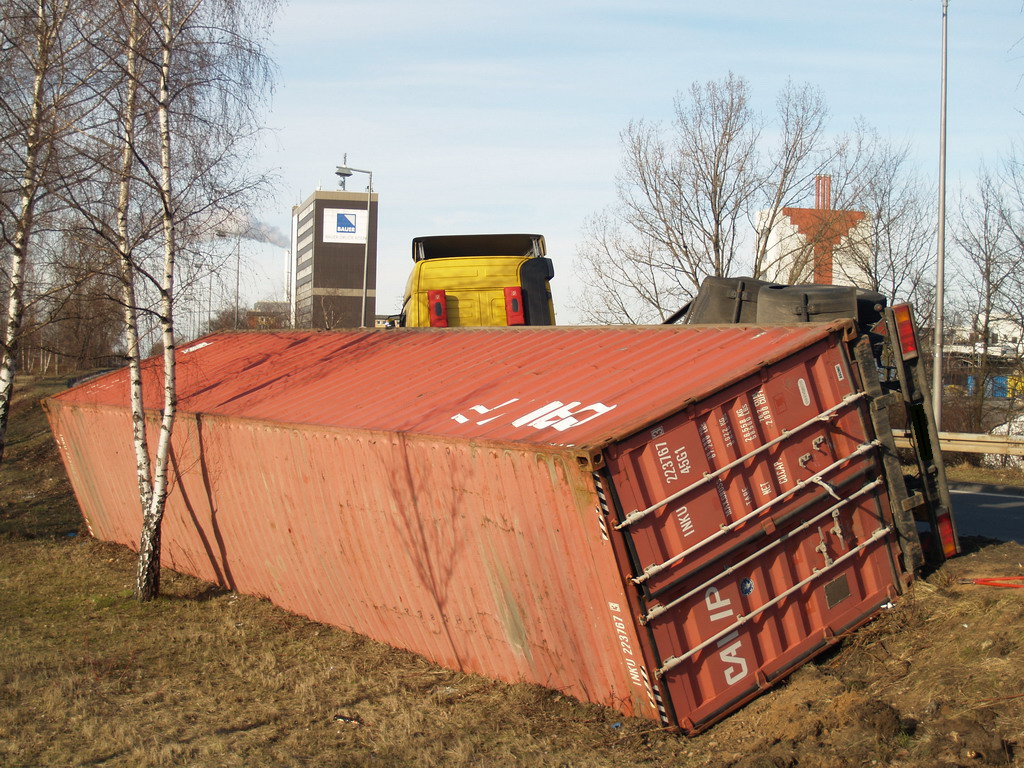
(38, 93)
(203, 74)
(124, 246)
(174, 25)
(179, 85)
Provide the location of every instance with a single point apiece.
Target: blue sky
(499, 116)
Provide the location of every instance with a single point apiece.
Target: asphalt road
(993, 512)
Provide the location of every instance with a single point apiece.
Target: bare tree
(893, 251)
(203, 73)
(126, 58)
(726, 181)
(178, 87)
(77, 325)
(629, 284)
(689, 197)
(43, 73)
(1011, 306)
(799, 154)
(988, 260)
(172, 90)
(1009, 183)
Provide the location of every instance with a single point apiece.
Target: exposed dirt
(936, 681)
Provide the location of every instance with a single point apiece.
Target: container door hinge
(913, 502)
(837, 529)
(823, 548)
(884, 402)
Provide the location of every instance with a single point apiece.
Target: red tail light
(946, 536)
(514, 312)
(438, 309)
(905, 330)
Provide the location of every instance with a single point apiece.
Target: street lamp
(343, 172)
(941, 251)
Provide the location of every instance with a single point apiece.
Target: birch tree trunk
(191, 75)
(148, 578)
(126, 260)
(28, 196)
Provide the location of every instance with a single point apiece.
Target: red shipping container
(665, 520)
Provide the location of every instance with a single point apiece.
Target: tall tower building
(334, 242)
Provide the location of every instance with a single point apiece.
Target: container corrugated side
(483, 558)
(444, 491)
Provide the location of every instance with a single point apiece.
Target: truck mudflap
(755, 529)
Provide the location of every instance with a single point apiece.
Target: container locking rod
(659, 610)
(653, 570)
(674, 661)
(825, 415)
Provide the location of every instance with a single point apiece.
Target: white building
(1005, 337)
(817, 245)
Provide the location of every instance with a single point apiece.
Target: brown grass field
(205, 677)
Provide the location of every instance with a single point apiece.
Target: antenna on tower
(823, 193)
(344, 164)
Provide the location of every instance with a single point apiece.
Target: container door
(758, 529)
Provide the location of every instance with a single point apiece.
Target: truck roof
(446, 246)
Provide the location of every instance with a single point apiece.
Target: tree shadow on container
(220, 565)
(433, 549)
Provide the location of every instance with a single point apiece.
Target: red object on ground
(1015, 582)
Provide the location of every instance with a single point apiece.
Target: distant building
(329, 235)
(268, 315)
(818, 245)
(1005, 337)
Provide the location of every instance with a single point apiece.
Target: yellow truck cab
(474, 280)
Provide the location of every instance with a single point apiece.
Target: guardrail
(963, 442)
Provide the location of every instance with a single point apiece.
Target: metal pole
(366, 250)
(238, 275)
(343, 172)
(940, 268)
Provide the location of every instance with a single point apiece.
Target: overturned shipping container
(664, 520)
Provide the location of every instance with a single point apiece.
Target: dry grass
(965, 472)
(204, 677)
(35, 497)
